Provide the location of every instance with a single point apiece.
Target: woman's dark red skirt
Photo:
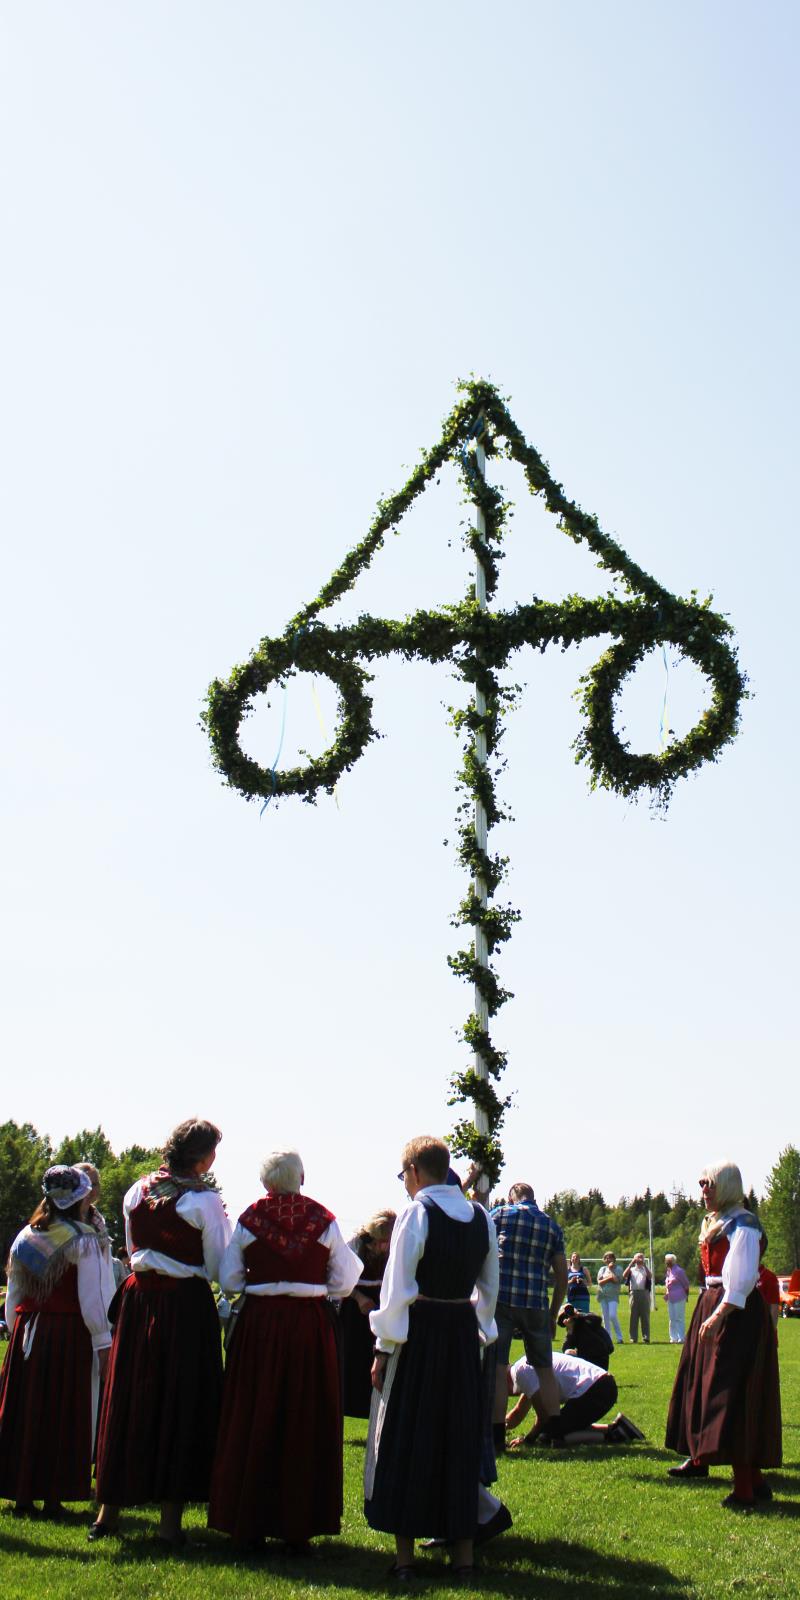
(726, 1403)
(278, 1470)
(161, 1400)
(46, 1410)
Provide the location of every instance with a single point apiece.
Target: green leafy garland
(479, 644)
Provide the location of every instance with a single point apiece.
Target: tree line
(590, 1224)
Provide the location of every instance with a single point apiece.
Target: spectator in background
(579, 1282)
(531, 1245)
(676, 1294)
(121, 1266)
(639, 1280)
(585, 1336)
(609, 1280)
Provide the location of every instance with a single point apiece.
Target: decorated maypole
(639, 614)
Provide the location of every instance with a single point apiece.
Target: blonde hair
(432, 1155)
(380, 1225)
(727, 1179)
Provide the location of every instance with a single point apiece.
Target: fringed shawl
(40, 1256)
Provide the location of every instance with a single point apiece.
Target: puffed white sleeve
(344, 1266)
(487, 1284)
(740, 1267)
(216, 1233)
(232, 1273)
(12, 1300)
(93, 1292)
(399, 1288)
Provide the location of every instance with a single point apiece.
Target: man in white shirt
(587, 1393)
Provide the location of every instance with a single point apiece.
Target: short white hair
(282, 1170)
(670, 1257)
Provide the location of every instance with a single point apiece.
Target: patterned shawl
(165, 1185)
(40, 1256)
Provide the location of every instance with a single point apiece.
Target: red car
(790, 1294)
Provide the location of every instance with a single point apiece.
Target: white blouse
(343, 1268)
(399, 1288)
(202, 1209)
(740, 1267)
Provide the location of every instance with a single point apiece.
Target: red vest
(713, 1253)
(286, 1246)
(61, 1301)
(161, 1227)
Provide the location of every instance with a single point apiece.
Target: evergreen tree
(781, 1211)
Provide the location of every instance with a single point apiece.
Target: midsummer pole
(481, 826)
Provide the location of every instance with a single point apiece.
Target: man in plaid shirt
(531, 1248)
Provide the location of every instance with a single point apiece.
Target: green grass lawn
(604, 1522)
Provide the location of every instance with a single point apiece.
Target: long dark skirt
(46, 1410)
(357, 1343)
(726, 1404)
(424, 1448)
(278, 1468)
(161, 1400)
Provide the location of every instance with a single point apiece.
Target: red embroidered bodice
(161, 1227)
(62, 1300)
(286, 1248)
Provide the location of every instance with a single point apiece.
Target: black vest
(453, 1255)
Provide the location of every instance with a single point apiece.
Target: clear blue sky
(247, 250)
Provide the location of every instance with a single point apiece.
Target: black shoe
(733, 1502)
(101, 1530)
(689, 1469)
(499, 1523)
(630, 1429)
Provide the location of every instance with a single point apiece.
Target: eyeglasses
(407, 1168)
(706, 1183)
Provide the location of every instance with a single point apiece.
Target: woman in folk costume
(278, 1468)
(371, 1245)
(160, 1409)
(58, 1297)
(725, 1406)
(437, 1305)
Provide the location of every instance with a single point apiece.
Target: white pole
(479, 883)
(652, 1263)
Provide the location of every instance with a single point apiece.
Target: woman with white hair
(725, 1406)
(278, 1469)
(676, 1294)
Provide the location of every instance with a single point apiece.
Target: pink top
(676, 1284)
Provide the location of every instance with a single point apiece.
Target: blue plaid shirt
(528, 1240)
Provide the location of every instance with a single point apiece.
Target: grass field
(606, 1522)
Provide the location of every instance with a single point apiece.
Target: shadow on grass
(514, 1566)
